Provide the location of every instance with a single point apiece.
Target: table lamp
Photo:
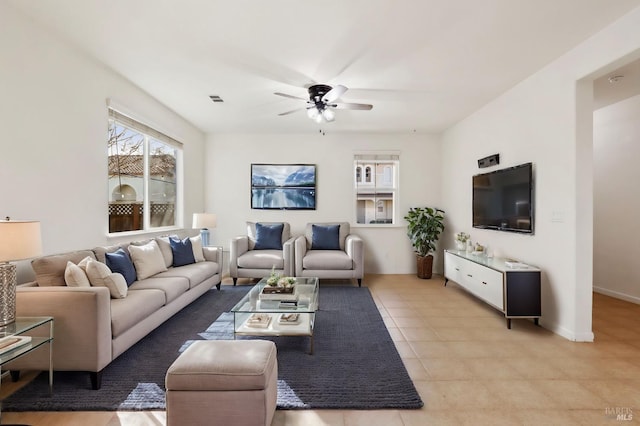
(204, 221)
(18, 240)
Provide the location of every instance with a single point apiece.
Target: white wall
(540, 120)
(53, 116)
(616, 224)
(388, 251)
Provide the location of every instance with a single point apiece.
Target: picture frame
(283, 186)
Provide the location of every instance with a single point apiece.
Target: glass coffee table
(257, 314)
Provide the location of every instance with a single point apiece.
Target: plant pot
(461, 245)
(425, 266)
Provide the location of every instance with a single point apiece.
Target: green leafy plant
(425, 226)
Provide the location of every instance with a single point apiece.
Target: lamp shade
(19, 240)
(204, 220)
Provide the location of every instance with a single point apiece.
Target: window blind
(376, 157)
(143, 128)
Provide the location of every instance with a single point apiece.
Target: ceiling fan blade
(364, 107)
(290, 96)
(334, 93)
(292, 111)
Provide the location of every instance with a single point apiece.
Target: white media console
(513, 288)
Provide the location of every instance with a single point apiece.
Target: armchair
(329, 250)
(267, 245)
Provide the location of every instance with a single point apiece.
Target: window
(376, 194)
(142, 176)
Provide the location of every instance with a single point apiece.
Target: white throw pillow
(74, 276)
(196, 245)
(165, 249)
(147, 259)
(101, 276)
(83, 263)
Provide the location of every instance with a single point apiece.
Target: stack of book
(259, 320)
(11, 342)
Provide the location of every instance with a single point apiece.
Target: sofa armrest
(354, 246)
(300, 250)
(82, 327)
(288, 256)
(212, 254)
(239, 246)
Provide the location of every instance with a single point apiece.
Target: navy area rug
(354, 366)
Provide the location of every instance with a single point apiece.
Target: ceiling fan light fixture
(328, 114)
(312, 112)
(318, 118)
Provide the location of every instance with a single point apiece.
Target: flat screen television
(283, 186)
(503, 199)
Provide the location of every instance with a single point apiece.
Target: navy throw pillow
(119, 261)
(325, 237)
(269, 237)
(182, 252)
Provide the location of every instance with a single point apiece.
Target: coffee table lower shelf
(303, 328)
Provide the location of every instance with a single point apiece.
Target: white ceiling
(423, 64)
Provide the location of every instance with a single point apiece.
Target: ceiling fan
(322, 102)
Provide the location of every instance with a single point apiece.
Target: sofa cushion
(49, 270)
(101, 276)
(165, 248)
(251, 232)
(75, 276)
(261, 259)
(84, 262)
(345, 229)
(147, 259)
(195, 273)
(196, 245)
(268, 237)
(325, 237)
(182, 252)
(172, 288)
(138, 305)
(102, 251)
(120, 262)
(327, 260)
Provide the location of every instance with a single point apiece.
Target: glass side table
(21, 326)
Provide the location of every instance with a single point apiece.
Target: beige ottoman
(223, 382)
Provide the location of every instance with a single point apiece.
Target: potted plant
(425, 226)
(461, 240)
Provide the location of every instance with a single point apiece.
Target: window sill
(150, 233)
(376, 225)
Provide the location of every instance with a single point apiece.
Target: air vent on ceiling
(215, 98)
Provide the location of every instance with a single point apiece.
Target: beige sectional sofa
(92, 326)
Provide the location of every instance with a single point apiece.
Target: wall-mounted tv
(283, 186)
(503, 199)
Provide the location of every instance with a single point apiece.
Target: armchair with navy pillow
(267, 245)
(329, 250)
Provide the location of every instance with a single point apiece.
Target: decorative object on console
(478, 249)
(425, 226)
(18, 240)
(204, 221)
(461, 240)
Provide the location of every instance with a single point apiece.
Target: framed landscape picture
(283, 186)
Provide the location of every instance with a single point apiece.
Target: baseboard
(617, 295)
(567, 334)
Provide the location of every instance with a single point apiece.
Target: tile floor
(470, 369)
